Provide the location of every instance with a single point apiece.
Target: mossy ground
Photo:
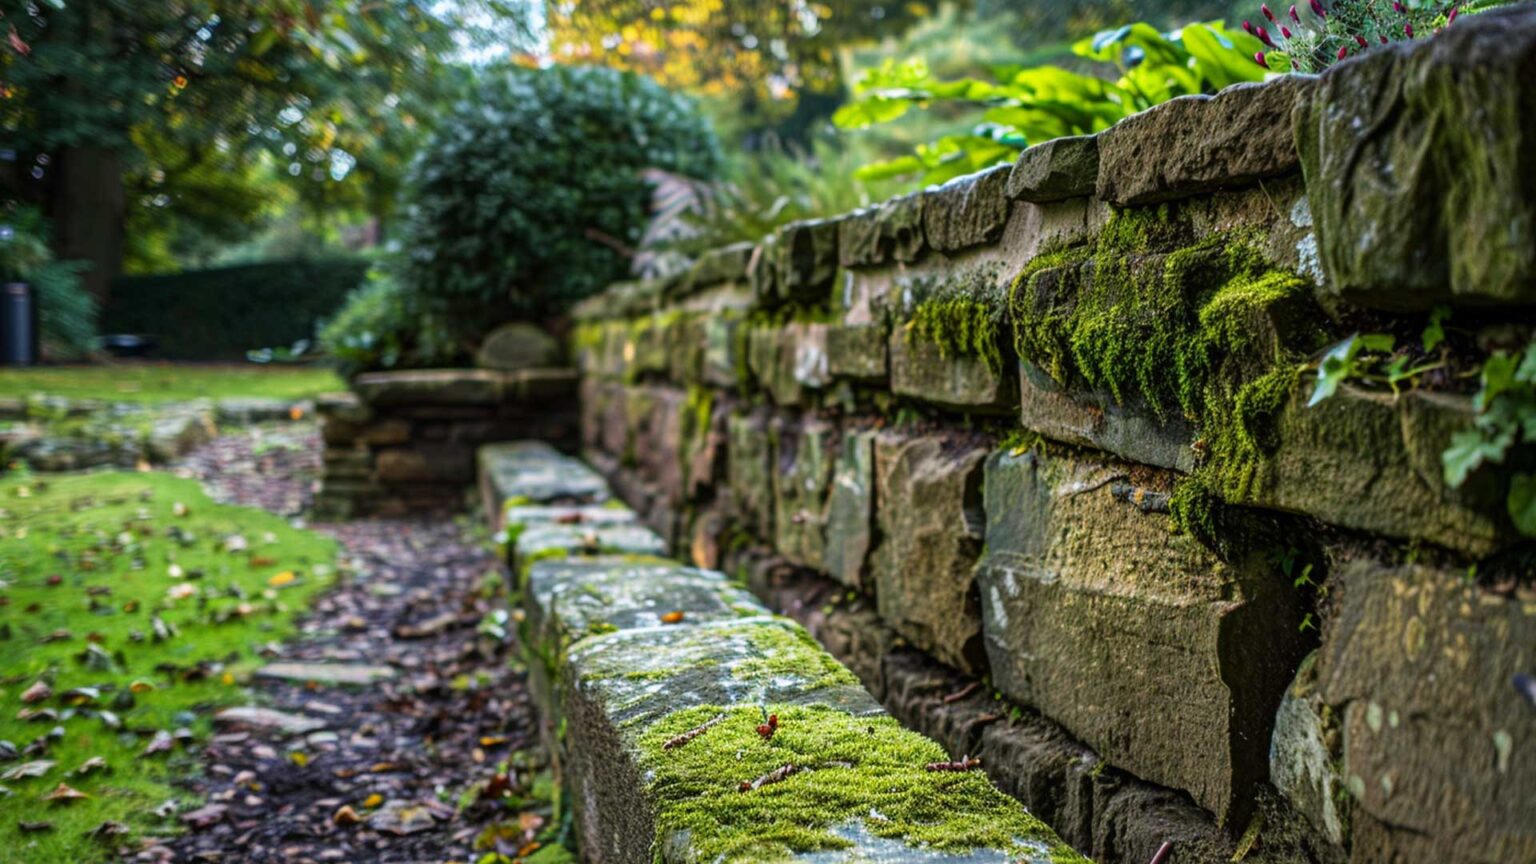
(111, 539)
(852, 770)
(165, 382)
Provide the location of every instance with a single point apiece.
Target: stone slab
(535, 473)
(1080, 586)
(919, 369)
(1055, 170)
(268, 719)
(967, 211)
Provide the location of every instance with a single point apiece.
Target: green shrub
(530, 196)
(220, 313)
(384, 326)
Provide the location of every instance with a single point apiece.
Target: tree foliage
(1021, 105)
(531, 195)
(767, 55)
(206, 100)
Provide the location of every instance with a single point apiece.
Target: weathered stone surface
(1368, 461)
(720, 366)
(517, 345)
(576, 514)
(928, 509)
(1302, 753)
(850, 512)
(788, 359)
(430, 386)
(857, 352)
(250, 410)
(326, 673)
(538, 541)
(1196, 144)
(807, 260)
(967, 211)
(176, 434)
(804, 472)
(962, 382)
(1055, 170)
(342, 405)
(1092, 420)
(1079, 586)
(726, 264)
(579, 597)
(750, 471)
(1420, 666)
(1419, 167)
(891, 231)
(534, 473)
(425, 462)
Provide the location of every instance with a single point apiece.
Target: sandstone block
(850, 512)
(962, 382)
(967, 211)
(858, 352)
(891, 231)
(928, 509)
(1081, 588)
(804, 460)
(1055, 170)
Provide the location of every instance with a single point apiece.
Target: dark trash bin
(18, 325)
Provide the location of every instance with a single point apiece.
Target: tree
(772, 57)
(120, 104)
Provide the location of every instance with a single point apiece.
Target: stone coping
(699, 727)
(461, 386)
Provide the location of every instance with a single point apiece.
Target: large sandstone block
(886, 232)
(1162, 657)
(858, 352)
(1195, 144)
(1367, 461)
(528, 472)
(1424, 671)
(967, 211)
(1132, 432)
(1056, 170)
(804, 461)
(788, 359)
(962, 382)
(851, 511)
(928, 509)
(1420, 161)
(750, 471)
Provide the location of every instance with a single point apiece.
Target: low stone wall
(690, 724)
(1032, 453)
(405, 441)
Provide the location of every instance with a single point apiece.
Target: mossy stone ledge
(656, 681)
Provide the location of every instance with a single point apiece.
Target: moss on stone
(963, 316)
(852, 771)
(791, 653)
(1180, 327)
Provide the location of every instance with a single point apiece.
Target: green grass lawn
(167, 382)
(141, 603)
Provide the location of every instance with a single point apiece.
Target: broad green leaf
(1334, 368)
(901, 166)
(1522, 503)
(1222, 57)
(1498, 376)
(869, 111)
(1469, 449)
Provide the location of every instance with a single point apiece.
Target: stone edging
(691, 724)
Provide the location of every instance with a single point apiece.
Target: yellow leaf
(299, 758)
(280, 579)
(373, 800)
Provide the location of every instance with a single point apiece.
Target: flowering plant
(1311, 36)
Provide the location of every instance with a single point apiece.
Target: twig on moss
(680, 740)
(965, 763)
(962, 693)
(1162, 852)
(777, 775)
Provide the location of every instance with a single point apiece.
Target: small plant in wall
(1311, 35)
(1506, 419)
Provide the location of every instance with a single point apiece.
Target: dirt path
(389, 771)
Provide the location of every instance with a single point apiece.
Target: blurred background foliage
(204, 135)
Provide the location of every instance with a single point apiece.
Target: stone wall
(406, 441)
(1031, 453)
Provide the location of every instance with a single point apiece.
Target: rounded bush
(529, 196)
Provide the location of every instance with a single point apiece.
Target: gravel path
(433, 764)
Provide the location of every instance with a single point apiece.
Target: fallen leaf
(28, 769)
(672, 618)
(203, 817)
(161, 743)
(36, 693)
(181, 591)
(373, 800)
(299, 758)
(95, 763)
(346, 816)
(64, 794)
(139, 685)
(34, 827)
(108, 830)
(280, 579)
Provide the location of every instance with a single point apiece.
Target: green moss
(1204, 330)
(791, 653)
(853, 770)
(695, 415)
(963, 317)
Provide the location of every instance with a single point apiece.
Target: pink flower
(1455, 10)
(1285, 31)
(1294, 16)
(1360, 40)
(1248, 27)
(1264, 37)
(1397, 7)
(1382, 37)
(1259, 59)
(1264, 7)
(1318, 10)
(1343, 51)
(1408, 29)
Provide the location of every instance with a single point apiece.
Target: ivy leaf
(1522, 503)
(1498, 376)
(1434, 331)
(1469, 449)
(1334, 369)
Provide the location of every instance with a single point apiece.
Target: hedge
(220, 313)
